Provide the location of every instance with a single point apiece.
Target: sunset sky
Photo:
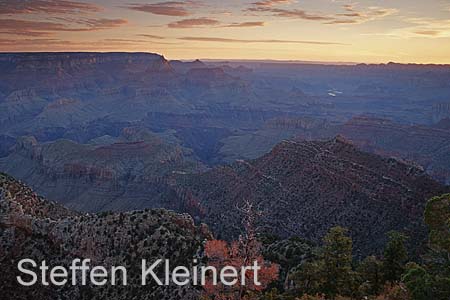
(317, 30)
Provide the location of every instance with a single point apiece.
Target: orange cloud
(290, 13)
(428, 32)
(431, 27)
(100, 24)
(245, 24)
(13, 42)
(13, 7)
(271, 2)
(68, 45)
(226, 40)
(353, 16)
(168, 8)
(189, 23)
(132, 41)
(38, 28)
(202, 22)
(350, 16)
(345, 21)
(151, 36)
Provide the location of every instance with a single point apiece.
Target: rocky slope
(304, 188)
(61, 91)
(425, 145)
(109, 173)
(32, 227)
(444, 124)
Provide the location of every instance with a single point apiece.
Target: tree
(308, 297)
(243, 252)
(273, 294)
(395, 257)
(418, 282)
(437, 217)
(337, 262)
(371, 272)
(433, 277)
(289, 254)
(308, 277)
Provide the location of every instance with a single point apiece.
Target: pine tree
(371, 272)
(395, 257)
(418, 282)
(437, 217)
(337, 262)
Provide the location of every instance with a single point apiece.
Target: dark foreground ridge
(32, 227)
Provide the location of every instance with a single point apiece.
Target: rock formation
(32, 227)
(304, 188)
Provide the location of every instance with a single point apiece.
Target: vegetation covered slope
(304, 188)
(32, 227)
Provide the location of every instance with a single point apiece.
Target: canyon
(101, 132)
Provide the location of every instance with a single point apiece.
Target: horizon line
(248, 60)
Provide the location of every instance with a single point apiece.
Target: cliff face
(65, 63)
(424, 145)
(127, 173)
(441, 111)
(32, 227)
(304, 188)
(53, 94)
(47, 75)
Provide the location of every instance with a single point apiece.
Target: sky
(406, 31)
